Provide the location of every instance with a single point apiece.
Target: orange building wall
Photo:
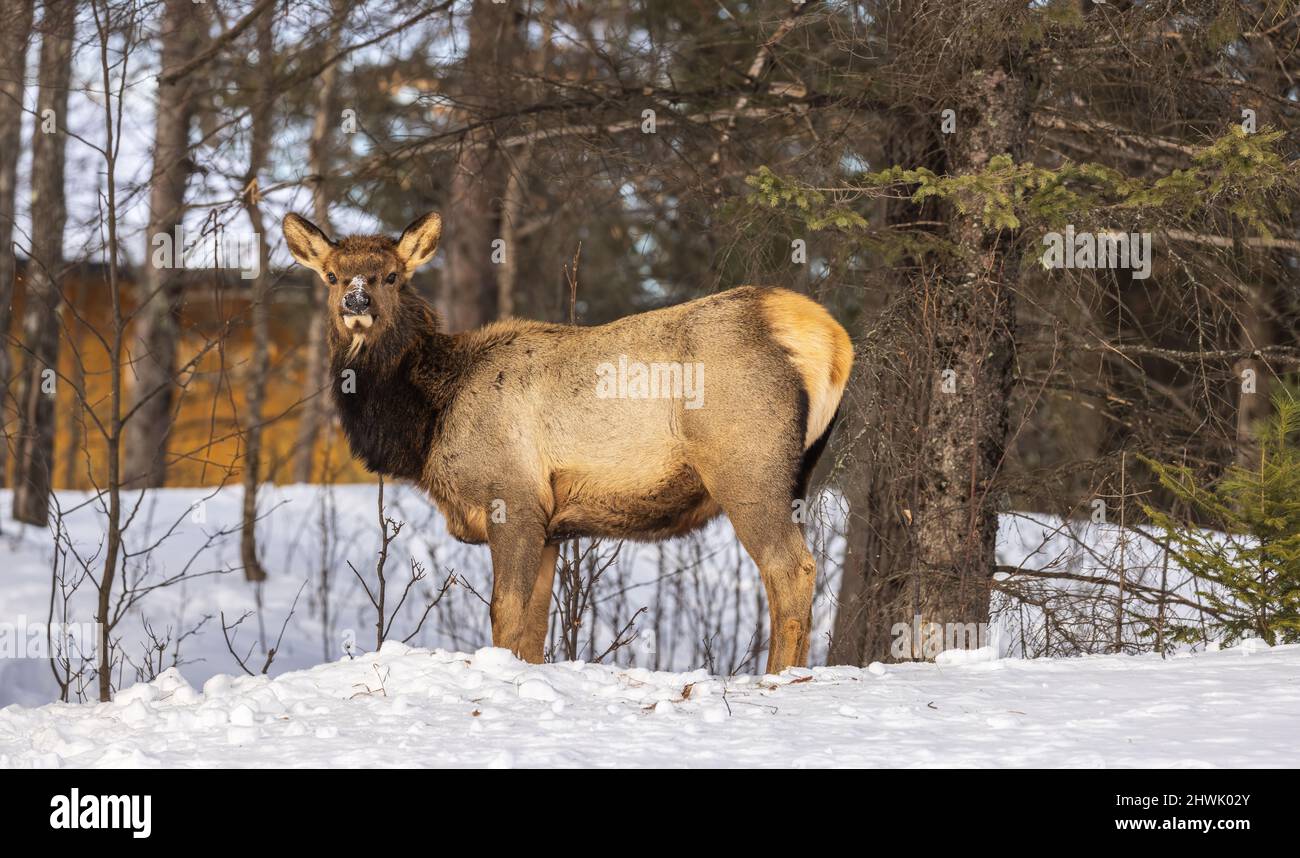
(206, 433)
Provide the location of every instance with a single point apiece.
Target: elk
(525, 433)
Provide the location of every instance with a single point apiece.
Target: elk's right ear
(307, 243)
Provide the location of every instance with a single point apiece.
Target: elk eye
(332, 278)
(392, 278)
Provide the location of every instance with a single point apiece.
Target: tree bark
(104, 616)
(35, 459)
(972, 317)
(511, 212)
(154, 360)
(922, 545)
(13, 69)
(1254, 377)
(880, 561)
(74, 451)
(259, 365)
(469, 291)
(316, 408)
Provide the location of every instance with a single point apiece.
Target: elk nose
(356, 302)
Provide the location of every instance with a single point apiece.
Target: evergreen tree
(1249, 573)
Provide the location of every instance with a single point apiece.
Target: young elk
(525, 434)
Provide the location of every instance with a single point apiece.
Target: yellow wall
(206, 430)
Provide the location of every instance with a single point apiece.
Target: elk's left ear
(420, 240)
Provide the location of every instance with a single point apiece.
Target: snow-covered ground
(679, 690)
(702, 599)
(415, 707)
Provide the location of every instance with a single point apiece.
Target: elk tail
(820, 350)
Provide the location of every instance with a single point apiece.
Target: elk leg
(754, 489)
(538, 612)
(766, 528)
(789, 575)
(802, 660)
(517, 549)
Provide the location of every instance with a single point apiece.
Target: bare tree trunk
(923, 545)
(972, 318)
(13, 69)
(1254, 377)
(259, 366)
(516, 191)
(113, 548)
(880, 558)
(74, 450)
(35, 460)
(154, 360)
(468, 293)
(512, 210)
(315, 409)
(470, 286)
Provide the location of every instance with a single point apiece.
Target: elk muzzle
(356, 306)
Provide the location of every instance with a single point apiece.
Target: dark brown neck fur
(403, 385)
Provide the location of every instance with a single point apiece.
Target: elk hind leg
(789, 573)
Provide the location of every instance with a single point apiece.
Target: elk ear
(307, 243)
(420, 240)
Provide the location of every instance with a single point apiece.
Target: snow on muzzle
(356, 305)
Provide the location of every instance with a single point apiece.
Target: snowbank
(702, 596)
(415, 707)
(703, 586)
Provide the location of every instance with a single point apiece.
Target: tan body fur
(506, 430)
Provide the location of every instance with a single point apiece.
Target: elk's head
(366, 274)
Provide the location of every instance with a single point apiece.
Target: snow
(682, 693)
(309, 534)
(966, 656)
(704, 586)
(414, 707)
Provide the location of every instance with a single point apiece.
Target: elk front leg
(517, 545)
(538, 612)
